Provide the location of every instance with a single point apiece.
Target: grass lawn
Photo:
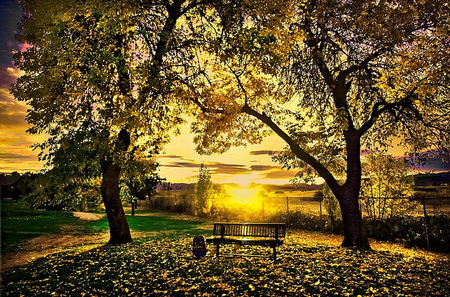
(19, 224)
(160, 263)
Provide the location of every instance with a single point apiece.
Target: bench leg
(217, 250)
(274, 252)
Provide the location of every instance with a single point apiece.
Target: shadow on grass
(20, 224)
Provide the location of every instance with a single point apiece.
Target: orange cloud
(263, 167)
(280, 174)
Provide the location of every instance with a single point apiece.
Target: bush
(307, 221)
(410, 231)
(406, 230)
(439, 232)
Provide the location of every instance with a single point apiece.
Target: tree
(388, 180)
(330, 78)
(331, 205)
(97, 79)
(203, 190)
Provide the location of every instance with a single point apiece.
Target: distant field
(291, 200)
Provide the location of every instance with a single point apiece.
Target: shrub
(307, 221)
(406, 230)
(410, 231)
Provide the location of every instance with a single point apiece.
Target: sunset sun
(248, 196)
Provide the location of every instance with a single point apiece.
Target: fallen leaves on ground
(164, 266)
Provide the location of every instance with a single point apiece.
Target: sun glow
(248, 196)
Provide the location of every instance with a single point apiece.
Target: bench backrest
(275, 230)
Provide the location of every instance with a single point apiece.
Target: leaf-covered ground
(310, 264)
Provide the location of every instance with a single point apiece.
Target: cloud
(223, 168)
(170, 156)
(9, 75)
(24, 46)
(263, 167)
(261, 152)
(214, 167)
(16, 156)
(280, 174)
(12, 113)
(182, 164)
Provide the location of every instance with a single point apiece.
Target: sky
(15, 152)
(180, 163)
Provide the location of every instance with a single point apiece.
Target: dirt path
(42, 246)
(87, 216)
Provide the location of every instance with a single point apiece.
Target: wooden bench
(265, 234)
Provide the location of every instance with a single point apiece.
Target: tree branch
(295, 148)
(381, 107)
(342, 76)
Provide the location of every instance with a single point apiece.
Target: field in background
(260, 202)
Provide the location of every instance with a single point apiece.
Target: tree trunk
(118, 225)
(354, 232)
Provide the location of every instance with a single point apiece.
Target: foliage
(300, 220)
(331, 205)
(21, 187)
(99, 82)
(203, 191)
(68, 187)
(166, 202)
(335, 72)
(221, 205)
(387, 186)
(57, 191)
(161, 265)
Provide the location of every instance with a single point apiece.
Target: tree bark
(354, 232)
(348, 195)
(118, 225)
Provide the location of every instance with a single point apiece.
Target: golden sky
(15, 152)
(242, 165)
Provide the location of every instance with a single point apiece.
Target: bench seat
(249, 241)
(263, 234)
